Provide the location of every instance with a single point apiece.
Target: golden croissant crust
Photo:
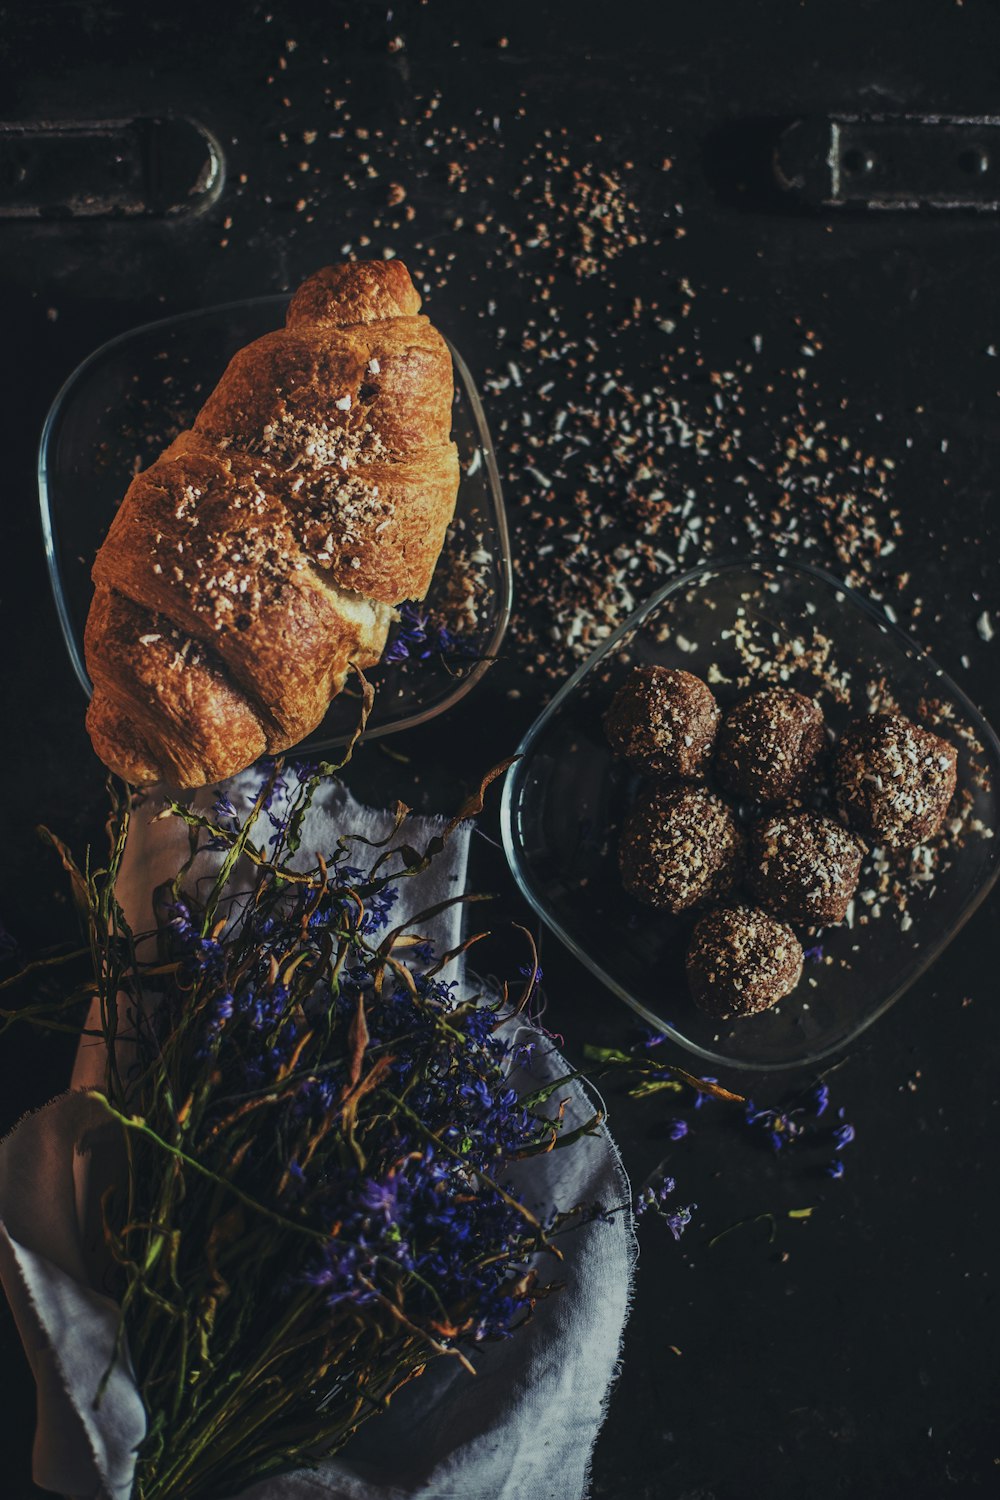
(264, 550)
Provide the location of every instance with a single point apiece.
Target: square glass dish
(124, 403)
(740, 624)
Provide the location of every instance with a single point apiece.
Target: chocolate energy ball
(741, 961)
(769, 745)
(664, 721)
(804, 867)
(894, 779)
(679, 848)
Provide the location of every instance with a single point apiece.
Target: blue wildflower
(415, 638)
(678, 1219)
(778, 1126)
(818, 1099)
(653, 1199)
(381, 1197)
(700, 1097)
(415, 1223)
(654, 1195)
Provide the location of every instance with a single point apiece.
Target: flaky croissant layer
(263, 552)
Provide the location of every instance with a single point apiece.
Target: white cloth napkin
(522, 1429)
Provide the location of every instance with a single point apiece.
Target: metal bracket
(892, 162)
(107, 169)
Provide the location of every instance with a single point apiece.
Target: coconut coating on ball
(894, 779)
(664, 721)
(742, 961)
(769, 745)
(804, 867)
(680, 847)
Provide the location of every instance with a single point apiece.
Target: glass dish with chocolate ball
(758, 812)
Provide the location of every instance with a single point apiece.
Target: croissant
(263, 552)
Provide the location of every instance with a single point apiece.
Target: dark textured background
(858, 1353)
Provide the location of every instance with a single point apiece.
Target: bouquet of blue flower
(318, 1130)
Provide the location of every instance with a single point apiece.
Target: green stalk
(139, 1126)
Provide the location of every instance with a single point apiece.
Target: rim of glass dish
(512, 781)
(505, 591)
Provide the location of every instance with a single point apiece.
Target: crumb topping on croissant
(264, 550)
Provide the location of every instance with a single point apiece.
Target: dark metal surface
(858, 1353)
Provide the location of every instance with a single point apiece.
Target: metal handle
(892, 162)
(100, 169)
